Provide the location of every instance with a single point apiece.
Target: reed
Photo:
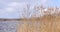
(47, 23)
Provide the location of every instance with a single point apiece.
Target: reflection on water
(8, 26)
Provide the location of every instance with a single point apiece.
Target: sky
(14, 8)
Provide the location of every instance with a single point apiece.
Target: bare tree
(26, 11)
(38, 11)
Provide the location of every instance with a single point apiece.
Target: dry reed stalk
(47, 23)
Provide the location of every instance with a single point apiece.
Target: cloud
(9, 9)
(43, 2)
(13, 4)
(15, 7)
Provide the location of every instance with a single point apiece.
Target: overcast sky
(14, 8)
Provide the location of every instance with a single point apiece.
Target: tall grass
(47, 23)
